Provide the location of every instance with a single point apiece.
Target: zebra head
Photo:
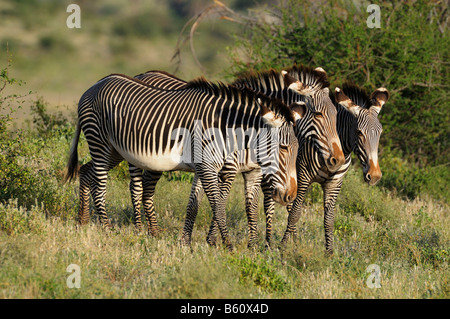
(313, 85)
(367, 129)
(279, 119)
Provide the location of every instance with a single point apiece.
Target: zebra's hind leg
(217, 196)
(136, 191)
(98, 188)
(85, 181)
(149, 183)
(192, 210)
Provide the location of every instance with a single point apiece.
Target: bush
(15, 219)
(28, 174)
(409, 181)
(261, 272)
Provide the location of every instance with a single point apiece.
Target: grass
(408, 240)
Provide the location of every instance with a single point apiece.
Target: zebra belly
(166, 161)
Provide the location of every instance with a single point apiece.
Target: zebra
(359, 131)
(316, 129)
(125, 118)
(271, 83)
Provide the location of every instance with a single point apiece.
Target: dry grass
(411, 250)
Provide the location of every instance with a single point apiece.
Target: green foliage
(47, 124)
(25, 175)
(15, 177)
(426, 249)
(409, 180)
(408, 55)
(261, 272)
(179, 176)
(16, 220)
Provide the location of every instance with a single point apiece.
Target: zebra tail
(72, 165)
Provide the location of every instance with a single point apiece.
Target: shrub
(15, 219)
(261, 272)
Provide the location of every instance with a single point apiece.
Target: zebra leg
(331, 191)
(269, 208)
(192, 210)
(294, 213)
(98, 188)
(252, 183)
(136, 193)
(211, 239)
(149, 182)
(217, 196)
(85, 181)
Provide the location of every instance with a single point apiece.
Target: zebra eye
(318, 115)
(283, 147)
(360, 134)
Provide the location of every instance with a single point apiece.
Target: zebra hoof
(153, 232)
(185, 241)
(211, 241)
(269, 245)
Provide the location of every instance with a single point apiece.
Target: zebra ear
(321, 70)
(345, 101)
(298, 110)
(295, 85)
(378, 98)
(269, 117)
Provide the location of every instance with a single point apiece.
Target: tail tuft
(72, 165)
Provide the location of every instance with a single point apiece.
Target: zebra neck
(346, 127)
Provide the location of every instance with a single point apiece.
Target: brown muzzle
(373, 175)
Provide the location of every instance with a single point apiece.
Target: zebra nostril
(287, 198)
(333, 161)
(368, 177)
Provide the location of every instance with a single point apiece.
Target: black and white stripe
(125, 118)
(359, 131)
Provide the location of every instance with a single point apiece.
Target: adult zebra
(125, 118)
(317, 125)
(359, 131)
(317, 129)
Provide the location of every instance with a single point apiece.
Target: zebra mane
(162, 72)
(244, 95)
(313, 78)
(262, 79)
(357, 94)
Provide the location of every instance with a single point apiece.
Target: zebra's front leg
(331, 191)
(149, 183)
(85, 181)
(294, 213)
(217, 196)
(192, 210)
(252, 183)
(136, 191)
